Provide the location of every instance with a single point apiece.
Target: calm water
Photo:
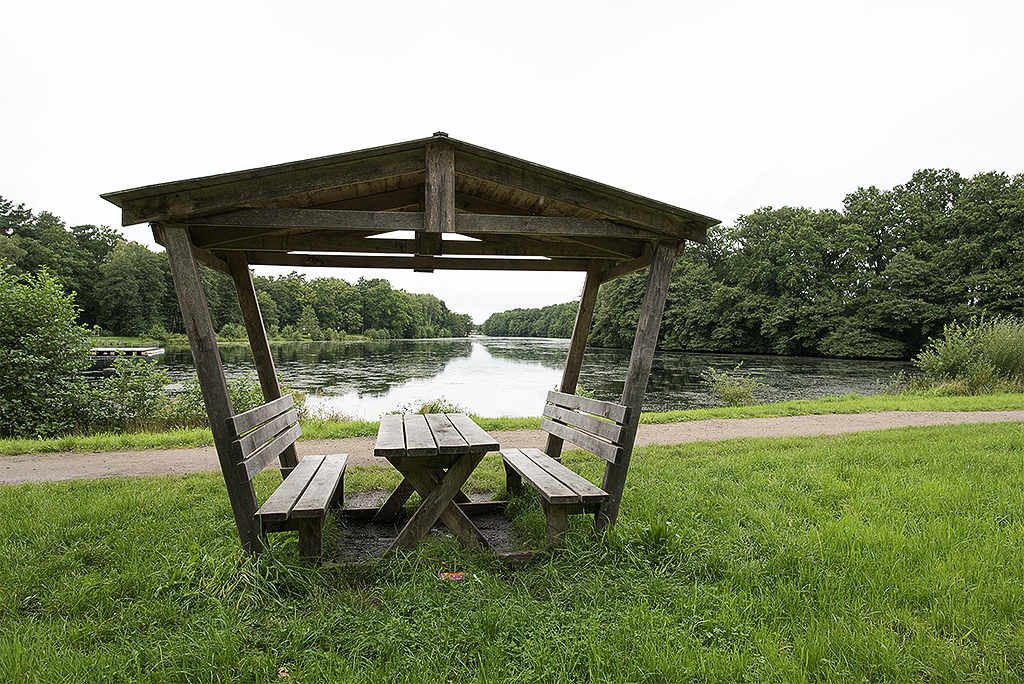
(510, 376)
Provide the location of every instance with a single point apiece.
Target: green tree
(42, 354)
(131, 290)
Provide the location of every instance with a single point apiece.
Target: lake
(493, 376)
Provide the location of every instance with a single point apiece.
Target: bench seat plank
(279, 505)
(317, 497)
(550, 487)
(587, 491)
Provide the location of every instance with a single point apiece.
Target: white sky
(719, 107)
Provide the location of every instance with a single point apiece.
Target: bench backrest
(597, 426)
(263, 433)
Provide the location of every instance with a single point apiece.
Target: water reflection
(510, 376)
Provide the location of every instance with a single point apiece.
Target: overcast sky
(718, 107)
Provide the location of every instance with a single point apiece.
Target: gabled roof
(331, 211)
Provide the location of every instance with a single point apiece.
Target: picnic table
(436, 453)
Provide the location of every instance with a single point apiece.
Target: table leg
(390, 509)
(437, 503)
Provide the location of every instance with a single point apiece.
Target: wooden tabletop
(433, 434)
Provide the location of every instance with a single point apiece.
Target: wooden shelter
(341, 211)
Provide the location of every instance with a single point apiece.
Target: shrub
(439, 405)
(188, 410)
(729, 388)
(133, 398)
(232, 331)
(978, 358)
(43, 352)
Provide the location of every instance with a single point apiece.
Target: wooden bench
(598, 427)
(302, 499)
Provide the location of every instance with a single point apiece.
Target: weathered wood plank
(234, 189)
(203, 343)
(317, 497)
(248, 443)
(335, 219)
(279, 505)
(419, 441)
(586, 423)
(262, 457)
(578, 344)
(549, 487)
(437, 503)
(658, 279)
(394, 502)
(446, 436)
(640, 211)
(478, 439)
(439, 189)
(259, 344)
(390, 437)
(243, 422)
(415, 262)
(607, 451)
(596, 407)
(587, 491)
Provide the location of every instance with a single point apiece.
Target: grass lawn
(881, 556)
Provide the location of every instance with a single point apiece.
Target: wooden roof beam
(414, 262)
(664, 219)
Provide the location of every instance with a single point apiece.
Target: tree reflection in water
(510, 376)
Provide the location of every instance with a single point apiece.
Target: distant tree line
(555, 320)
(123, 288)
(875, 280)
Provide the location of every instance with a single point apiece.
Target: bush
(43, 352)
(187, 410)
(979, 358)
(132, 399)
(728, 388)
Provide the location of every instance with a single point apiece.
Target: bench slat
(243, 422)
(418, 439)
(315, 500)
(262, 457)
(448, 439)
(605, 450)
(551, 488)
(595, 426)
(605, 409)
(477, 438)
(390, 436)
(249, 443)
(587, 490)
(279, 505)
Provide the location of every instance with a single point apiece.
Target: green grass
(319, 429)
(882, 556)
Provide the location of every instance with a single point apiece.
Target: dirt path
(46, 467)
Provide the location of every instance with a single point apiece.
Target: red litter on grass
(451, 576)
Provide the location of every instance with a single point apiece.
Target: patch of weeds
(730, 388)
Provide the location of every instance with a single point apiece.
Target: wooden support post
(658, 279)
(258, 343)
(580, 332)
(439, 200)
(205, 355)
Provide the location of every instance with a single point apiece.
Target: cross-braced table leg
(438, 503)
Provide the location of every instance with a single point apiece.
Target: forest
(124, 288)
(877, 279)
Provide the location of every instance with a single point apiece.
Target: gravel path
(69, 466)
